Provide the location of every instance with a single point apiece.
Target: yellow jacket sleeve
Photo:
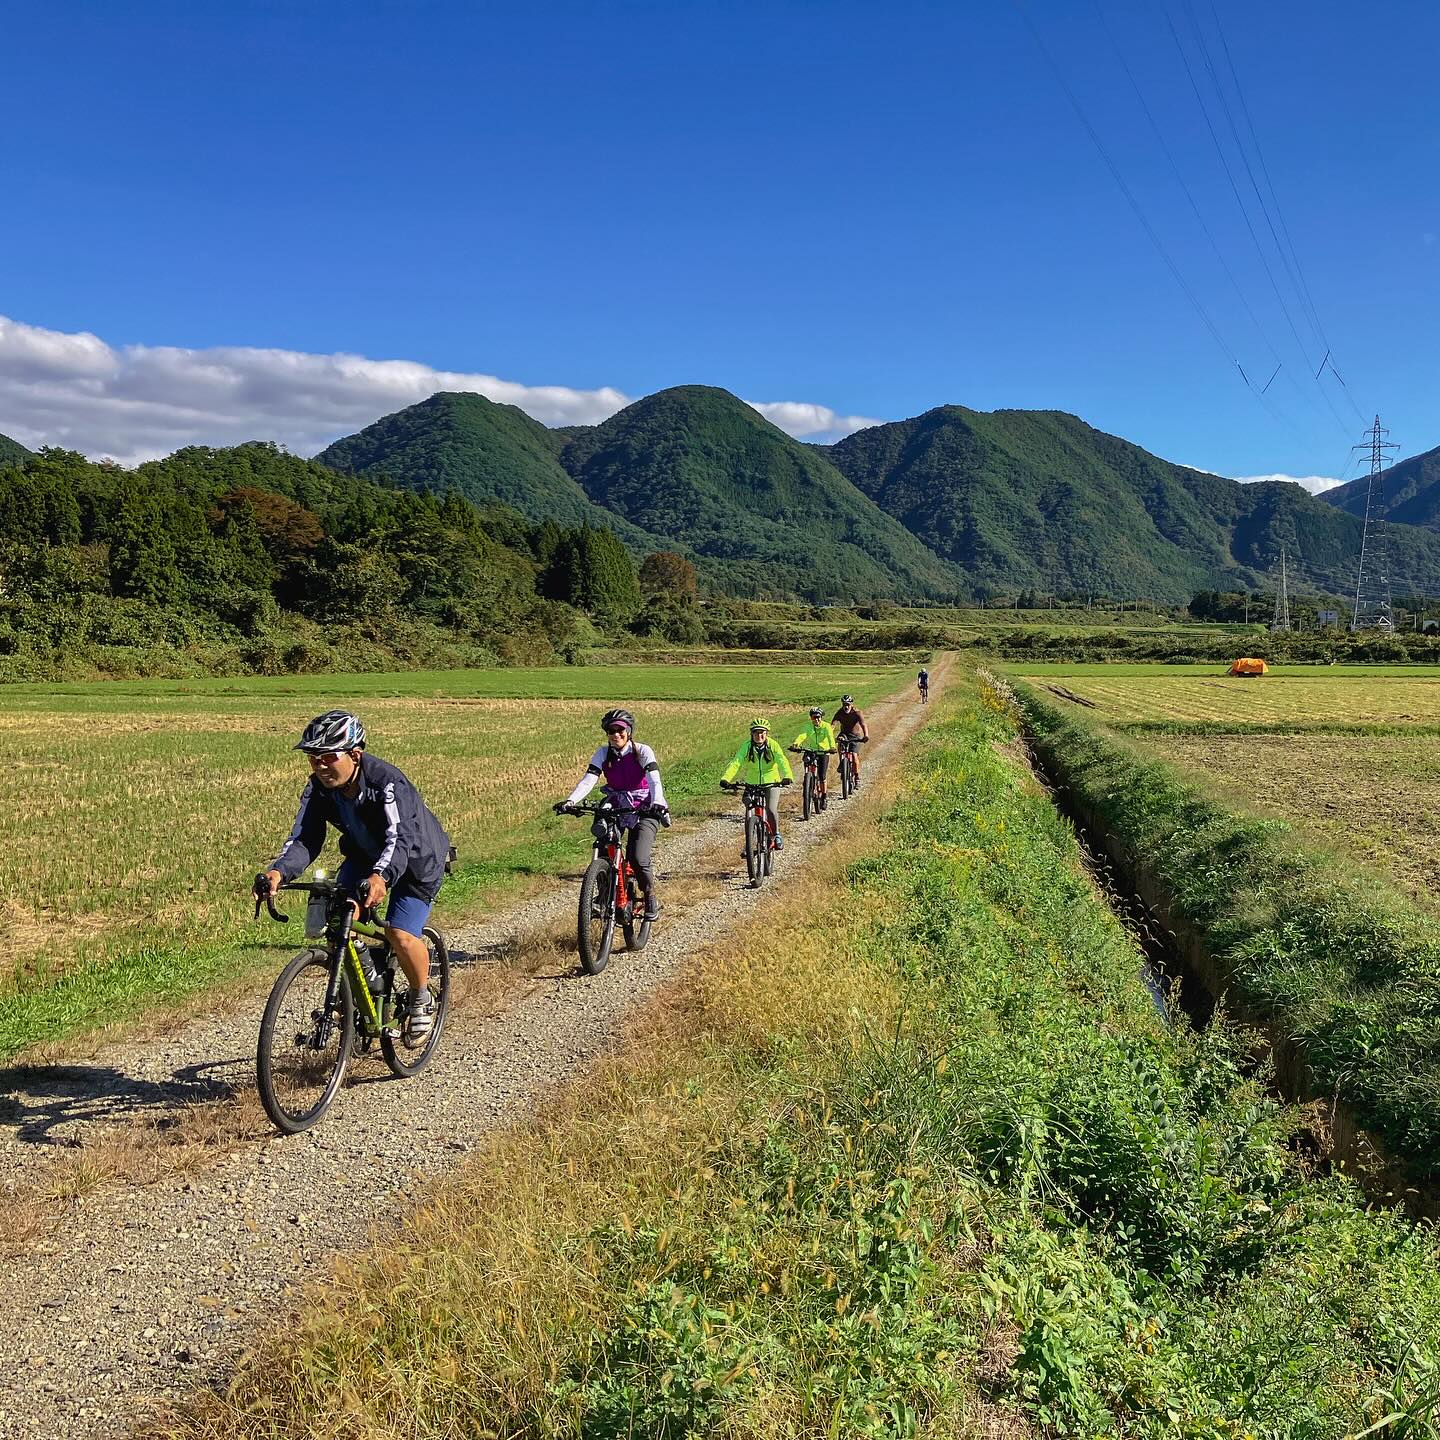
(733, 768)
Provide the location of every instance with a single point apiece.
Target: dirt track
(146, 1290)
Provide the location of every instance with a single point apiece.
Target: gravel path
(147, 1290)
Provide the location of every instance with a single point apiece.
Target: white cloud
(1313, 483)
(138, 402)
(809, 422)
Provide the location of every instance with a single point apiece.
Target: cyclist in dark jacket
(391, 842)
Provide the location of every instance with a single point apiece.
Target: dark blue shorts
(406, 909)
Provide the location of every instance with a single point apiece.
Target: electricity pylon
(1372, 582)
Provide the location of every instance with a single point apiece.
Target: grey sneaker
(421, 1019)
(652, 908)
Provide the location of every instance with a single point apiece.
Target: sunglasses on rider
(328, 758)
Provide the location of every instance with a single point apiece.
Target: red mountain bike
(849, 775)
(812, 792)
(610, 891)
(759, 833)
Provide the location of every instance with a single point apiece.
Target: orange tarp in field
(1247, 665)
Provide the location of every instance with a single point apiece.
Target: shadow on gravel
(36, 1100)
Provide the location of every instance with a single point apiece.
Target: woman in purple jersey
(631, 775)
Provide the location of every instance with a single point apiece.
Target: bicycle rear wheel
(754, 848)
(595, 921)
(403, 1061)
(768, 840)
(304, 1047)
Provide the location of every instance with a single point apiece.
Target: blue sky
(873, 209)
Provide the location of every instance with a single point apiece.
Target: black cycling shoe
(652, 910)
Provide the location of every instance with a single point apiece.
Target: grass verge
(915, 1156)
(1332, 958)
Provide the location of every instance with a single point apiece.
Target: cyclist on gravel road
(819, 736)
(762, 764)
(390, 840)
(847, 720)
(923, 681)
(632, 783)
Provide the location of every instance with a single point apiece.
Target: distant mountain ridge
(952, 504)
(12, 452)
(692, 469)
(1040, 500)
(1409, 492)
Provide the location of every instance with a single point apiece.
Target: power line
(1194, 204)
(1304, 285)
(1135, 205)
(1296, 282)
(1240, 199)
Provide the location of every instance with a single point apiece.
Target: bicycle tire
(808, 797)
(637, 937)
(754, 864)
(595, 927)
(845, 777)
(768, 854)
(401, 1060)
(273, 1097)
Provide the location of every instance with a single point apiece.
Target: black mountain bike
(812, 792)
(849, 775)
(759, 833)
(324, 1002)
(610, 891)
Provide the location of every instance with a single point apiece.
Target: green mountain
(486, 452)
(12, 452)
(1409, 492)
(762, 513)
(1022, 499)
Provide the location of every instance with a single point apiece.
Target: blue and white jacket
(395, 819)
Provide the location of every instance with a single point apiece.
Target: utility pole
(1372, 580)
(1281, 618)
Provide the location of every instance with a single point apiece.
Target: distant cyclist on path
(923, 681)
(758, 762)
(819, 736)
(632, 783)
(391, 842)
(849, 722)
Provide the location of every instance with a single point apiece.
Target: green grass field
(144, 808)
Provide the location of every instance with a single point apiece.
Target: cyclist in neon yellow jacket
(819, 736)
(758, 762)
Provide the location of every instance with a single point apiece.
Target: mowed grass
(142, 810)
(1375, 796)
(1288, 698)
(1350, 755)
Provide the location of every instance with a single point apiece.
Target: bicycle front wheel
(808, 797)
(595, 923)
(304, 1044)
(398, 1056)
(844, 777)
(754, 849)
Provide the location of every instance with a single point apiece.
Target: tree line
(251, 559)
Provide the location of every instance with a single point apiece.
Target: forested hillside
(12, 452)
(691, 469)
(468, 445)
(252, 560)
(762, 513)
(1409, 492)
(1038, 500)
